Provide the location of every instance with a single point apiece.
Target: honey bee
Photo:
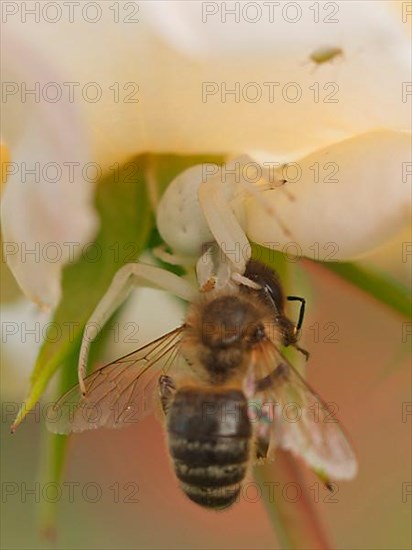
(226, 356)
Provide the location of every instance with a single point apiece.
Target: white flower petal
(394, 258)
(366, 206)
(24, 328)
(269, 60)
(336, 100)
(257, 28)
(165, 67)
(46, 210)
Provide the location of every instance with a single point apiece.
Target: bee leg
(324, 479)
(279, 373)
(267, 416)
(263, 433)
(303, 351)
(262, 447)
(126, 278)
(293, 332)
(167, 389)
(301, 311)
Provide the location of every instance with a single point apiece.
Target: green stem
(55, 451)
(53, 461)
(296, 524)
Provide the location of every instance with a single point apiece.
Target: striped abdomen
(209, 440)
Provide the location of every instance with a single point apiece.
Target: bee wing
(301, 422)
(118, 394)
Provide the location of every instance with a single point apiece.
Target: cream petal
(347, 199)
(240, 29)
(47, 208)
(166, 72)
(182, 103)
(24, 328)
(335, 100)
(393, 257)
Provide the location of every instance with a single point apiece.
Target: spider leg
(223, 224)
(217, 197)
(171, 258)
(127, 277)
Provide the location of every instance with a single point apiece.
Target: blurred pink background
(366, 373)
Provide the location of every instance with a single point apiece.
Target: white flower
(178, 77)
(46, 211)
(359, 202)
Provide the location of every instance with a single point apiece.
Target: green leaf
(127, 227)
(54, 446)
(53, 460)
(296, 523)
(166, 167)
(377, 284)
(127, 221)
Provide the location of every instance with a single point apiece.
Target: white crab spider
(205, 204)
(200, 219)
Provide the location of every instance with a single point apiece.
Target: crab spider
(205, 204)
(199, 218)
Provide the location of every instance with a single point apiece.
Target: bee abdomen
(209, 439)
(217, 450)
(214, 475)
(212, 497)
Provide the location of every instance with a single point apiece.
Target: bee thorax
(222, 332)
